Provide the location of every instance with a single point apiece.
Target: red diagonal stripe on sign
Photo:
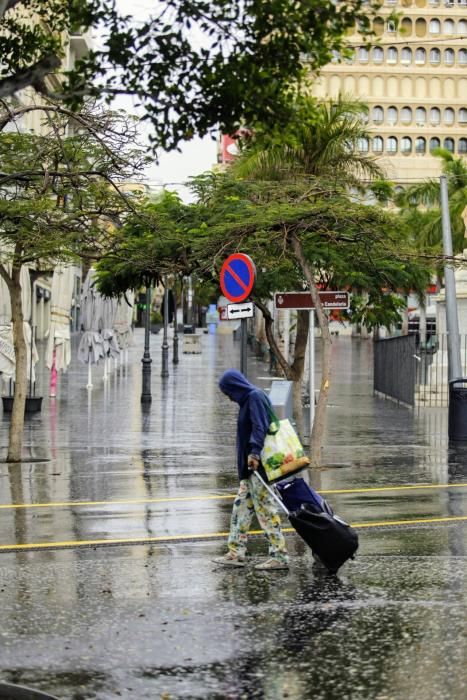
(237, 278)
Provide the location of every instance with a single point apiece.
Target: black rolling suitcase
(330, 538)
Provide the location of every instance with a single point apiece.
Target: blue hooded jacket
(253, 417)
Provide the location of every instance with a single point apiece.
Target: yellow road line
(201, 536)
(215, 497)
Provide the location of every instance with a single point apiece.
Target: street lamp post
(146, 396)
(175, 346)
(165, 343)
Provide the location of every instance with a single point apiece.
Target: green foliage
(192, 65)
(60, 195)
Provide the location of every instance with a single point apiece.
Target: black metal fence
(395, 367)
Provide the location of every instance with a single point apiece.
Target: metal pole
(165, 343)
(146, 392)
(311, 350)
(175, 349)
(243, 348)
(452, 321)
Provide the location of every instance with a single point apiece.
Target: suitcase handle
(273, 494)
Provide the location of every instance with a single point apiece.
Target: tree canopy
(192, 65)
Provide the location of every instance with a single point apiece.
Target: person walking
(252, 497)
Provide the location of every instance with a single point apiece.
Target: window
(391, 144)
(435, 26)
(391, 26)
(435, 116)
(406, 115)
(434, 143)
(392, 54)
(363, 54)
(378, 54)
(449, 145)
(462, 146)
(463, 115)
(391, 115)
(378, 144)
(377, 115)
(406, 144)
(420, 116)
(420, 56)
(336, 57)
(449, 57)
(463, 57)
(435, 56)
(406, 55)
(363, 116)
(449, 116)
(462, 26)
(363, 145)
(420, 145)
(449, 27)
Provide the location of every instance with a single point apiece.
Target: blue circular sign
(237, 277)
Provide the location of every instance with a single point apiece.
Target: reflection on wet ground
(138, 622)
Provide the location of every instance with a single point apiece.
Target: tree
(345, 243)
(323, 141)
(193, 65)
(60, 199)
(421, 204)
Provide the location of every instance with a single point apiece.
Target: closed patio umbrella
(60, 306)
(123, 320)
(91, 346)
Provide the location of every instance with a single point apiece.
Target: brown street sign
(303, 300)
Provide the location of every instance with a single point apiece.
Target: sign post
(302, 300)
(237, 278)
(312, 370)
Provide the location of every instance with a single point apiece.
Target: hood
(235, 385)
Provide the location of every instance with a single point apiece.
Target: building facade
(413, 78)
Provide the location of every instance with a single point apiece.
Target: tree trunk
(319, 425)
(298, 366)
(15, 441)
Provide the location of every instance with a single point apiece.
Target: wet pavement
(160, 620)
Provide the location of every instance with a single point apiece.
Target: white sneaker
(229, 559)
(272, 565)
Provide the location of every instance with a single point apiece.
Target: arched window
(391, 54)
(463, 57)
(434, 143)
(391, 115)
(449, 145)
(377, 114)
(435, 56)
(406, 55)
(435, 116)
(378, 26)
(336, 57)
(391, 144)
(406, 144)
(449, 27)
(449, 116)
(378, 144)
(462, 146)
(378, 54)
(363, 54)
(420, 116)
(406, 26)
(462, 26)
(435, 26)
(363, 145)
(420, 145)
(406, 115)
(463, 115)
(391, 27)
(420, 56)
(420, 27)
(449, 57)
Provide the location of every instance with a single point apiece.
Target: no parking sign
(237, 278)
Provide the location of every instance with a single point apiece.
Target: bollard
(457, 421)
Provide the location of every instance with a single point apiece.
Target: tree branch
(30, 76)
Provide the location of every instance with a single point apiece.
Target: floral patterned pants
(253, 498)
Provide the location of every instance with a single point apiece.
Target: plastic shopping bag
(282, 454)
